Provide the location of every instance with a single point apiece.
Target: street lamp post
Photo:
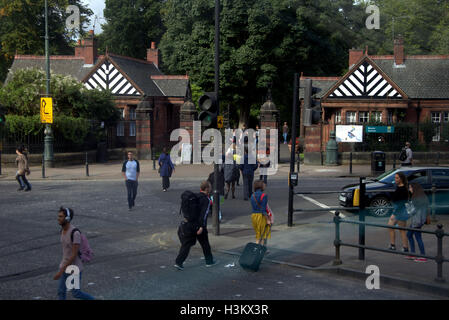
(48, 140)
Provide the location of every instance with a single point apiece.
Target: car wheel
(380, 202)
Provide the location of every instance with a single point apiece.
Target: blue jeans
(285, 137)
(76, 293)
(131, 186)
(417, 235)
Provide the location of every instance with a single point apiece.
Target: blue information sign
(379, 129)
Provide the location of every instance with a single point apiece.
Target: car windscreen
(387, 177)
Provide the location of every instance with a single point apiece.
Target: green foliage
(131, 26)
(23, 125)
(197, 92)
(22, 28)
(427, 128)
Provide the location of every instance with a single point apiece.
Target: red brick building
(131, 81)
(388, 89)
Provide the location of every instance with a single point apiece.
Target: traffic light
(2, 116)
(312, 107)
(209, 106)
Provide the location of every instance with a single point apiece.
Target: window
(120, 129)
(436, 118)
(351, 117)
(446, 116)
(363, 116)
(376, 116)
(418, 177)
(440, 177)
(132, 129)
(132, 114)
(338, 117)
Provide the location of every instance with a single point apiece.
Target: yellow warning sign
(46, 110)
(219, 122)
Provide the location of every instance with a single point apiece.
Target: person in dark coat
(248, 167)
(231, 172)
(166, 168)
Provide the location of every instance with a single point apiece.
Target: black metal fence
(362, 210)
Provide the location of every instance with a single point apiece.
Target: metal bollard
(43, 166)
(350, 163)
(434, 189)
(394, 161)
(337, 240)
(0, 162)
(87, 165)
(439, 258)
(362, 218)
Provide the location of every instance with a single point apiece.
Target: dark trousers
(187, 235)
(23, 182)
(418, 237)
(248, 185)
(165, 182)
(264, 178)
(131, 186)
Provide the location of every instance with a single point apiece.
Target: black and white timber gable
(365, 82)
(108, 77)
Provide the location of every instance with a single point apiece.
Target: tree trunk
(244, 115)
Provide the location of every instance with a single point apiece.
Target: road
(135, 251)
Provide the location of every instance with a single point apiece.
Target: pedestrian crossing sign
(46, 110)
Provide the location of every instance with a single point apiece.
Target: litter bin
(377, 162)
(102, 152)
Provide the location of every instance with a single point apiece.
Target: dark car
(385, 184)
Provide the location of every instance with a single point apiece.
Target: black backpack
(190, 206)
(403, 155)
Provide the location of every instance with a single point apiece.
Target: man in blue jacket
(248, 167)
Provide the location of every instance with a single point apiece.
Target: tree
(131, 25)
(22, 28)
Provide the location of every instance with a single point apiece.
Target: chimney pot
(354, 56)
(153, 45)
(399, 51)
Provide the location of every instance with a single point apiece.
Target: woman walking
(418, 219)
(22, 170)
(259, 217)
(400, 216)
(166, 167)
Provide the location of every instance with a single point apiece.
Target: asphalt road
(135, 251)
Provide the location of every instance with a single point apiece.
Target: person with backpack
(406, 155)
(231, 172)
(195, 209)
(131, 171)
(259, 216)
(74, 249)
(166, 168)
(417, 220)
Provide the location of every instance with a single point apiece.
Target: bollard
(43, 166)
(350, 163)
(439, 258)
(434, 189)
(87, 166)
(394, 161)
(337, 240)
(362, 218)
(0, 162)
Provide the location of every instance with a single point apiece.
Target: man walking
(131, 171)
(196, 229)
(70, 247)
(409, 159)
(285, 132)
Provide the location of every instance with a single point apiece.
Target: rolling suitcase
(253, 254)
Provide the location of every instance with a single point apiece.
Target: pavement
(287, 245)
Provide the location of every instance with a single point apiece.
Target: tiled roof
(172, 86)
(323, 83)
(65, 65)
(421, 78)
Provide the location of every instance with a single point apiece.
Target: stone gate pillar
(269, 119)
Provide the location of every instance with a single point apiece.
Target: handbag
(428, 221)
(410, 207)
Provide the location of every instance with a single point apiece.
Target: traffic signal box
(312, 107)
(208, 105)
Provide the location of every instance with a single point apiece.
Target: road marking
(319, 204)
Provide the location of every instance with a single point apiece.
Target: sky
(97, 7)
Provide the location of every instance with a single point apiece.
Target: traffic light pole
(216, 203)
(292, 156)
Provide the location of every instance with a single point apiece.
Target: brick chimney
(354, 56)
(87, 48)
(153, 54)
(399, 51)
